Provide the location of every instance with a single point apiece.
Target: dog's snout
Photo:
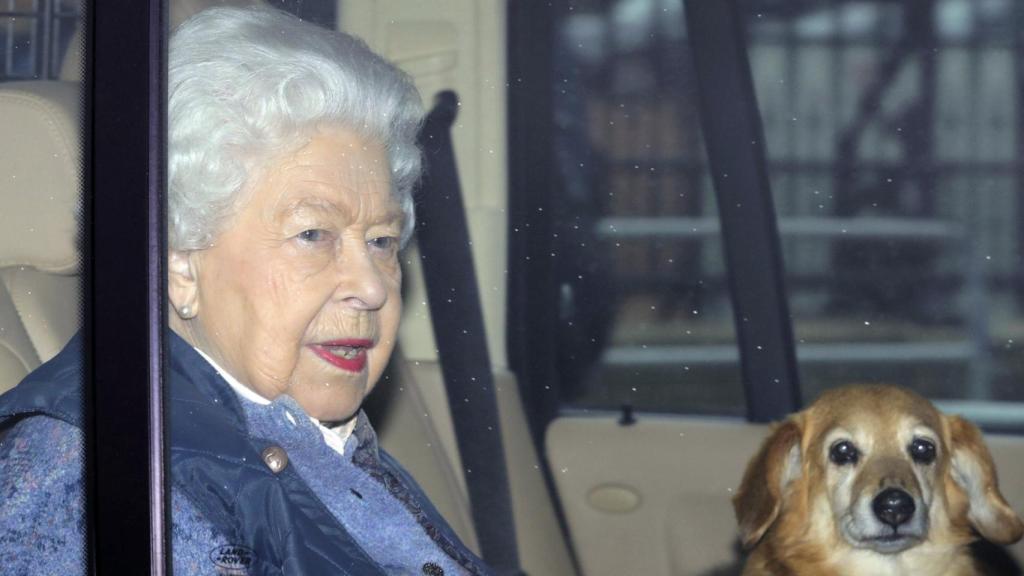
(893, 506)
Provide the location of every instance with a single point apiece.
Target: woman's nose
(361, 284)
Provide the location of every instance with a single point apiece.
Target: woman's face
(300, 294)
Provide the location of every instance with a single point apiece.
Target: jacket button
(431, 569)
(275, 458)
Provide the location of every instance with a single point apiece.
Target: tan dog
(871, 480)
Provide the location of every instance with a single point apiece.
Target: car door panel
(684, 471)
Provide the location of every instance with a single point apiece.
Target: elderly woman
(292, 158)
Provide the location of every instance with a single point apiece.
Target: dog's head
(875, 468)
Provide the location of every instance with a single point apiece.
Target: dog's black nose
(893, 506)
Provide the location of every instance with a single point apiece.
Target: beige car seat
(39, 196)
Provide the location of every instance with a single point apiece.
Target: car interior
(598, 484)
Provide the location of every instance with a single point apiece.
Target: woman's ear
(182, 283)
(769, 473)
(971, 468)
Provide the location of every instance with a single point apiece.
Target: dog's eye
(843, 452)
(922, 451)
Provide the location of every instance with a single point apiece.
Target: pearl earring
(185, 312)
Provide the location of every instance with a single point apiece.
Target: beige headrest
(71, 65)
(40, 164)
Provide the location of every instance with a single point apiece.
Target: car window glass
(42, 155)
(644, 314)
(40, 162)
(893, 133)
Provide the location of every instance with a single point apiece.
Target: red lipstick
(348, 354)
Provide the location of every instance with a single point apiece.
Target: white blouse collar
(335, 437)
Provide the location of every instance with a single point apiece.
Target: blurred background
(893, 136)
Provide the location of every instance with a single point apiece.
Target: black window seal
(124, 283)
(531, 309)
(532, 302)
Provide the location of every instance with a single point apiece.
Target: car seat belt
(444, 244)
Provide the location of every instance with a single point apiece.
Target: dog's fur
(801, 513)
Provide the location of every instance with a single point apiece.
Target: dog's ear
(769, 473)
(971, 468)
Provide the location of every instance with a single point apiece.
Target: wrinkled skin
(310, 256)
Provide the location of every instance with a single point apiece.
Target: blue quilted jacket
(252, 519)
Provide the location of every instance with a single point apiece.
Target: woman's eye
(313, 235)
(843, 452)
(922, 451)
(384, 243)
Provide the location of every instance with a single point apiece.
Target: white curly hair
(247, 84)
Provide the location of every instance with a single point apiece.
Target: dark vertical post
(533, 293)
(532, 289)
(44, 37)
(159, 550)
(735, 146)
(1017, 277)
(124, 287)
(920, 149)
